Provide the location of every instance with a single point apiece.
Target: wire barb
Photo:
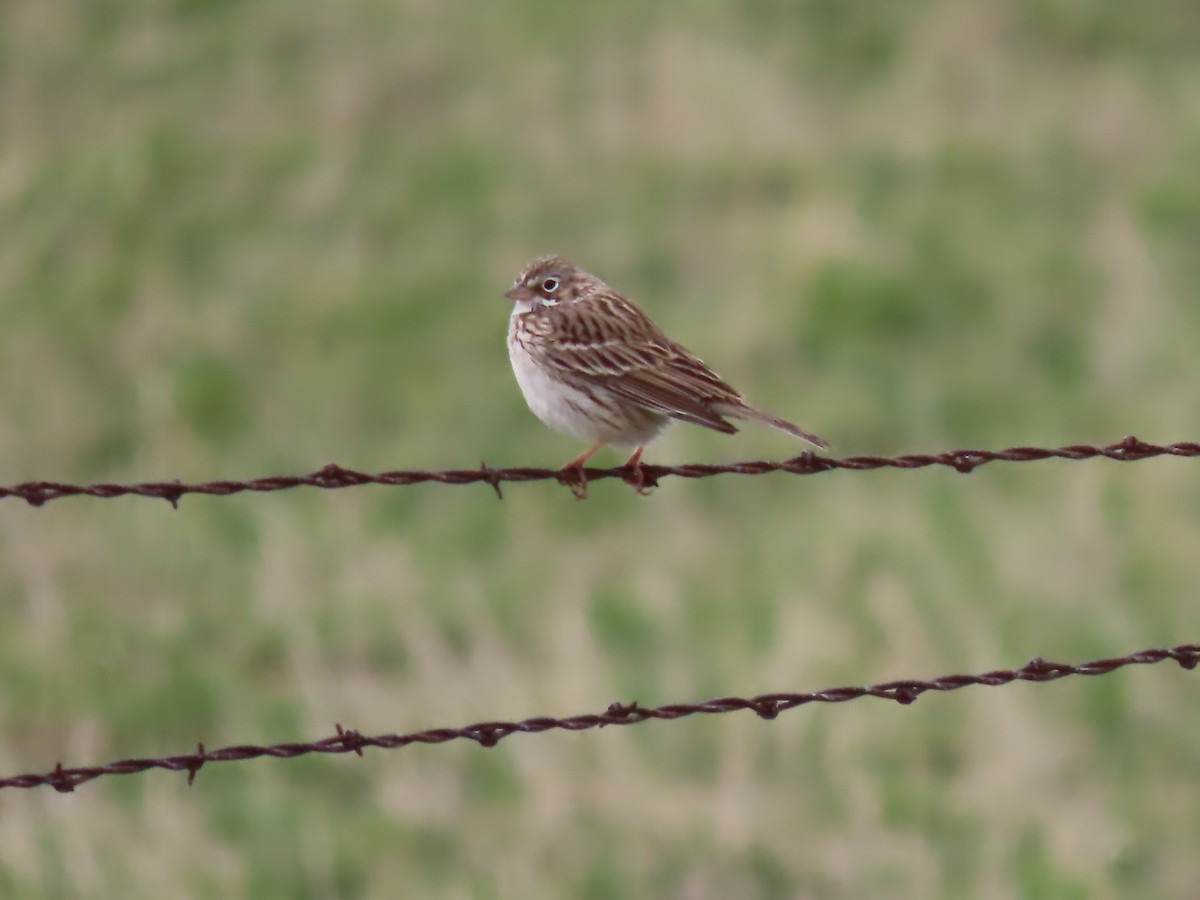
(488, 734)
(333, 476)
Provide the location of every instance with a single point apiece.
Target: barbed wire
(332, 476)
(488, 734)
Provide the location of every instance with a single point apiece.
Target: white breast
(572, 411)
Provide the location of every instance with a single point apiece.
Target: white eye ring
(550, 285)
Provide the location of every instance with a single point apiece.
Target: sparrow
(592, 365)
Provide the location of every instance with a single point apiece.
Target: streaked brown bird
(594, 366)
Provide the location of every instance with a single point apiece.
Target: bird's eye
(550, 285)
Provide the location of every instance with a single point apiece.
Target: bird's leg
(578, 480)
(637, 476)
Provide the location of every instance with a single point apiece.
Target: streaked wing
(603, 338)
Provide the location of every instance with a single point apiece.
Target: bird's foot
(574, 477)
(572, 474)
(637, 475)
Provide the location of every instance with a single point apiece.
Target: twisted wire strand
(332, 476)
(488, 734)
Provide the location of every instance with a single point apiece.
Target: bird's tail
(749, 413)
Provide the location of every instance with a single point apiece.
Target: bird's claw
(574, 477)
(636, 478)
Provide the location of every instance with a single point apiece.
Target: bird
(592, 365)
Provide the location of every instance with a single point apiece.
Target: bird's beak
(518, 292)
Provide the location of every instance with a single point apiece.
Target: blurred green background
(250, 238)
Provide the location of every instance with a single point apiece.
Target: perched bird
(594, 366)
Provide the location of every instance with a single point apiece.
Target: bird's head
(548, 280)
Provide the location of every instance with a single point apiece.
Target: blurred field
(240, 239)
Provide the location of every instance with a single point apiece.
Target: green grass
(252, 238)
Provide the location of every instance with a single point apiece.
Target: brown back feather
(601, 336)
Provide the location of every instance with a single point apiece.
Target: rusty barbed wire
(488, 734)
(1131, 449)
